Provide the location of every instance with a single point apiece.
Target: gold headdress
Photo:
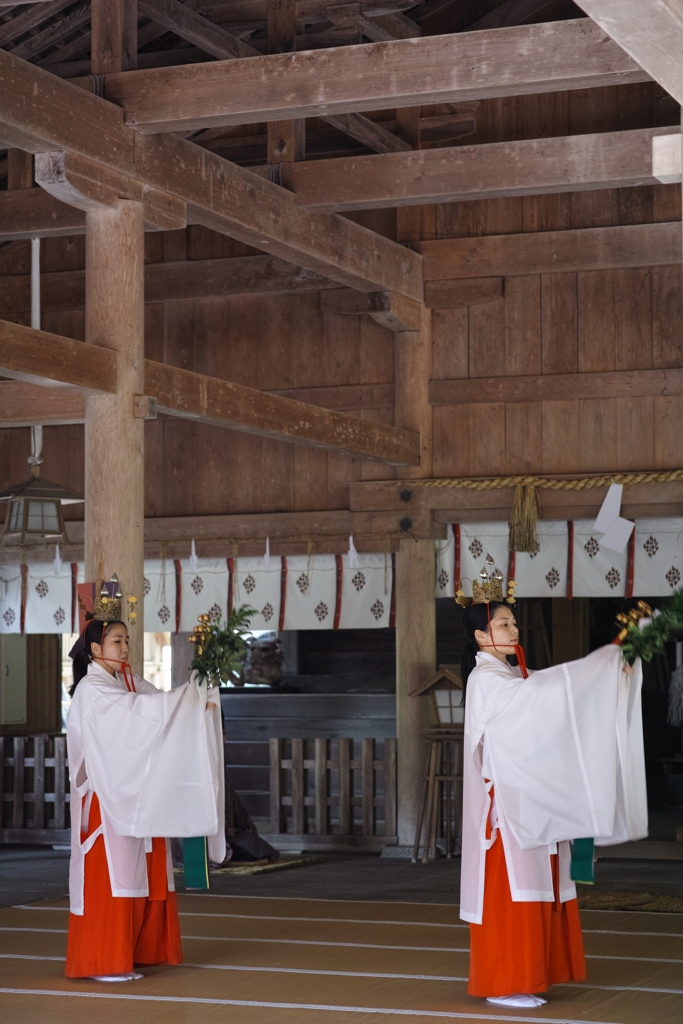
(107, 603)
(489, 587)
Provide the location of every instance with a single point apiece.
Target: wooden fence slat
(276, 786)
(18, 769)
(298, 817)
(38, 781)
(368, 786)
(390, 787)
(344, 746)
(321, 826)
(60, 782)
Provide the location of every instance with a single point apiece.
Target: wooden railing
(35, 790)
(332, 793)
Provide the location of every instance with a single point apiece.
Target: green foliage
(650, 640)
(219, 648)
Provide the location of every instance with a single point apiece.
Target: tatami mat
(286, 961)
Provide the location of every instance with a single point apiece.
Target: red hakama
(117, 932)
(522, 947)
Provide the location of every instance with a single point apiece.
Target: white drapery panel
(10, 599)
(544, 573)
(310, 592)
(366, 592)
(598, 572)
(477, 540)
(658, 556)
(203, 591)
(259, 588)
(160, 595)
(49, 599)
(446, 584)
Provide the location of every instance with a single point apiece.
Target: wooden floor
(287, 961)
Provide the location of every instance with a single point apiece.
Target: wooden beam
(666, 158)
(390, 310)
(308, 12)
(170, 282)
(286, 139)
(574, 163)
(181, 19)
(41, 358)
(553, 252)
(474, 291)
(557, 387)
(512, 12)
(41, 113)
(87, 186)
(23, 405)
(38, 357)
(370, 133)
(652, 33)
(114, 36)
(289, 533)
(458, 504)
(434, 69)
(194, 396)
(31, 211)
(345, 397)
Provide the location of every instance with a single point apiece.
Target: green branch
(646, 641)
(220, 649)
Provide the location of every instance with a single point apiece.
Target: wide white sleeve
(152, 761)
(557, 758)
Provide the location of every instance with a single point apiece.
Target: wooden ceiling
(56, 35)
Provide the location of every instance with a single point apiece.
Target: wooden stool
(442, 803)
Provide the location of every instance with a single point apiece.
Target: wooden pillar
(408, 218)
(415, 561)
(114, 27)
(114, 438)
(286, 139)
(415, 662)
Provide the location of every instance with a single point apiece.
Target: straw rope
(525, 504)
(552, 483)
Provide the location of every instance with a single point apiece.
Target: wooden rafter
(434, 69)
(41, 358)
(22, 404)
(40, 113)
(553, 252)
(574, 163)
(512, 12)
(554, 387)
(651, 32)
(170, 282)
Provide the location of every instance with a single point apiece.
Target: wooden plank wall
(586, 321)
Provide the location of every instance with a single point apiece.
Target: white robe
(155, 761)
(563, 751)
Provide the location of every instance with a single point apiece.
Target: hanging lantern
(35, 515)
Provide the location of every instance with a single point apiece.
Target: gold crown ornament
(109, 601)
(489, 587)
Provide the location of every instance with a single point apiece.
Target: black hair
(476, 617)
(94, 633)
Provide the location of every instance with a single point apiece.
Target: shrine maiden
(145, 764)
(549, 757)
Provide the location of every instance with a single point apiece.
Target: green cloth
(196, 863)
(582, 869)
